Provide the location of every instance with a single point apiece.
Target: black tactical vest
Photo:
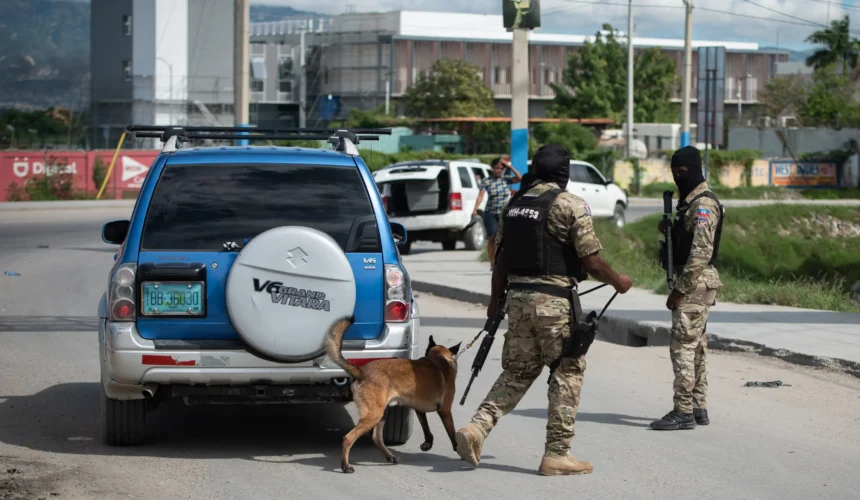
(682, 240)
(530, 250)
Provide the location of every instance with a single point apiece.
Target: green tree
(375, 118)
(576, 139)
(597, 74)
(838, 46)
(829, 100)
(453, 88)
(783, 95)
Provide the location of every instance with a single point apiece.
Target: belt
(570, 294)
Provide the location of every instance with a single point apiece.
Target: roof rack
(343, 140)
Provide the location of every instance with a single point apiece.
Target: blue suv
(234, 264)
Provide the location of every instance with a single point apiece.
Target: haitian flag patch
(702, 215)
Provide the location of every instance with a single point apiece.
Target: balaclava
(552, 164)
(689, 157)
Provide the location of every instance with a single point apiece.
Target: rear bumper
(131, 365)
(452, 221)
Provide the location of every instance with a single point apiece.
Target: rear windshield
(200, 207)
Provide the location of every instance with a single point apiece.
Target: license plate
(177, 298)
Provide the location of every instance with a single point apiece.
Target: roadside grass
(655, 190)
(789, 255)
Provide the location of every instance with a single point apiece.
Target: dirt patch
(821, 225)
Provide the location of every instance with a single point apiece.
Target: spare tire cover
(286, 288)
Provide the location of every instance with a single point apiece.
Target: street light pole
(688, 63)
(240, 65)
(630, 78)
(170, 75)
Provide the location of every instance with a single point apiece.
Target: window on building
(126, 70)
(126, 25)
(258, 74)
(285, 74)
(496, 75)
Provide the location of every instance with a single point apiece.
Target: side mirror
(399, 232)
(114, 232)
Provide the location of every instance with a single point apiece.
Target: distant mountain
(793, 55)
(45, 50)
(269, 13)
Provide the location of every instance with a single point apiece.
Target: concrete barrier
(639, 334)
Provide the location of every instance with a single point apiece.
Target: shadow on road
(598, 418)
(65, 419)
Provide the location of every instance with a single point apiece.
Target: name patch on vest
(527, 213)
(702, 215)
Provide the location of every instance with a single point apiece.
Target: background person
(497, 187)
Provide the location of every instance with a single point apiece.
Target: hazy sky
(764, 21)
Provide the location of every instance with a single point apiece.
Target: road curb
(635, 334)
(17, 206)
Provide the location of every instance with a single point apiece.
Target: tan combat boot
(469, 444)
(551, 466)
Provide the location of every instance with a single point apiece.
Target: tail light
(122, 298)
(396, 294)
(455, 201)
(385, 203)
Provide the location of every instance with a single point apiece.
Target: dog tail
(333, 343)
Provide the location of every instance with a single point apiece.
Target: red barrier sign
(17, 167)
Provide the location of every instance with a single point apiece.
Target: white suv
(434, 200)
(605, 198)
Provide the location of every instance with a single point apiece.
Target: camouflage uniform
(537, 325)
(698, 281)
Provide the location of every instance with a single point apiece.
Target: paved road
(791, 442)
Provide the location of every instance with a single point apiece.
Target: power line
(802, 22)
(789, 15)
(838, 4)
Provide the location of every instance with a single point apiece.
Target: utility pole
(241, 14)
(520, 100)
(688, 82)
(630, 78)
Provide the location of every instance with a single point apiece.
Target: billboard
(521, 14)
(788, 173)
(711, 95)
(17, 167)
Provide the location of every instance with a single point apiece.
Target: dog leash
(470, 344)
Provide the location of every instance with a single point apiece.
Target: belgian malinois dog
(426, 385)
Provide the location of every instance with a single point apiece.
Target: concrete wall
(800, 140)
(109, 47)
(658, 171)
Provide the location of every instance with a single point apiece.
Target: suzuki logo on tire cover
(296, 297)
(297, 257)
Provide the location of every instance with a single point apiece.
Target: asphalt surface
(796, 441)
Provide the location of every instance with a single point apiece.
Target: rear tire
(398, 425)
(123, 422)
(618, 216)
(476, 237)
(449, 245)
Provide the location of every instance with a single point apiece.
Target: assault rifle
(666, 245)
(491, 326)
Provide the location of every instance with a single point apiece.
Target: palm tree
(837, 46)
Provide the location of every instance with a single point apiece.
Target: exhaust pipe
(340, 382)
(149, 391)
